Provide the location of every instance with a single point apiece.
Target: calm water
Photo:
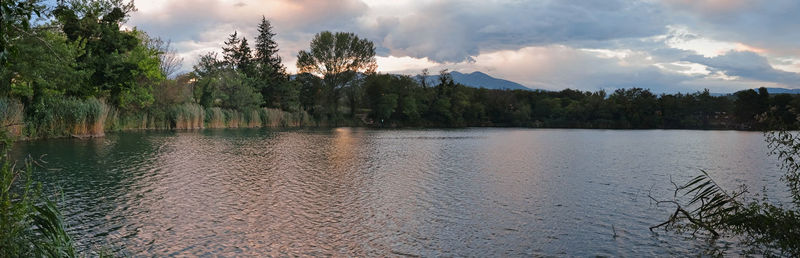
(471, 192)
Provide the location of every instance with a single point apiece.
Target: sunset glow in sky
(664, 45)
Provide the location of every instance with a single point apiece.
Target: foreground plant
(30, 224)
(705, 208)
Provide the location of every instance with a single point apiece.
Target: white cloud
(665, 45)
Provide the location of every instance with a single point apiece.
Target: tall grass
(92, 118)
(12, 114)
(232, 118)
(136, 120)
(67, 117)
(88, 118)
(215, 118)
(252, 118)
(228, 118)
(186, 116)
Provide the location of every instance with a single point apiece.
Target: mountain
(475, 79)
(478, 80)
(481, 80)
(782, 90)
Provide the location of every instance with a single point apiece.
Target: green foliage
(332, 54)
(786, 146)
(30, 225)
(749, 104)
(339, 58)
(386, 105)
(121, 67)
(44, 64)
(15, 17)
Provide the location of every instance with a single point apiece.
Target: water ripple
(353, 192)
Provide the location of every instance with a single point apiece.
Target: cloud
(748, 65)
(554, 67)
(665, 45)
(770, 25)
(711, 7)
(196, 26)
(452, 31)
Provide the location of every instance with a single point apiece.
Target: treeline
(404, 101)
(71, 69)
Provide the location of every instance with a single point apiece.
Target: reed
(92, 118)
(252, 118)
(215, 118)
(89, 120)
(68, 117)
(271, 117)
(11, 117)
(232, 118)
(186, 116)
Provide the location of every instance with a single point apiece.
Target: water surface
(358, 192)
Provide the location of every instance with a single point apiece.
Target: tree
(120, 64)
(15, 21)
(43, 69)
(145, 74)
(423, 78)
(15, 16)
(339, 58)
(266, 53)
(230, 52)
(167, 55)
(244, 63)
(749, 104)
(219, 84)
(312, 93)
(272, 79)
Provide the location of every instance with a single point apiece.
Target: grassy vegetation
(71, 117)
(66, 117)
(30, 224)
(11, 116)
(186, 116)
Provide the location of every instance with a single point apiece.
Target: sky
(662, 45)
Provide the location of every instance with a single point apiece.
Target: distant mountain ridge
(479, 80)
(782, 91)
(769, 90)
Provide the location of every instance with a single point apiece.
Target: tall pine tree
(231, 49)
(266, 56)
(244, 59)
(237, 55)
(274, 84)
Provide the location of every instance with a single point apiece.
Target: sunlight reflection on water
(357, 192)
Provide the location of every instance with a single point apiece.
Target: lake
(361, 192)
